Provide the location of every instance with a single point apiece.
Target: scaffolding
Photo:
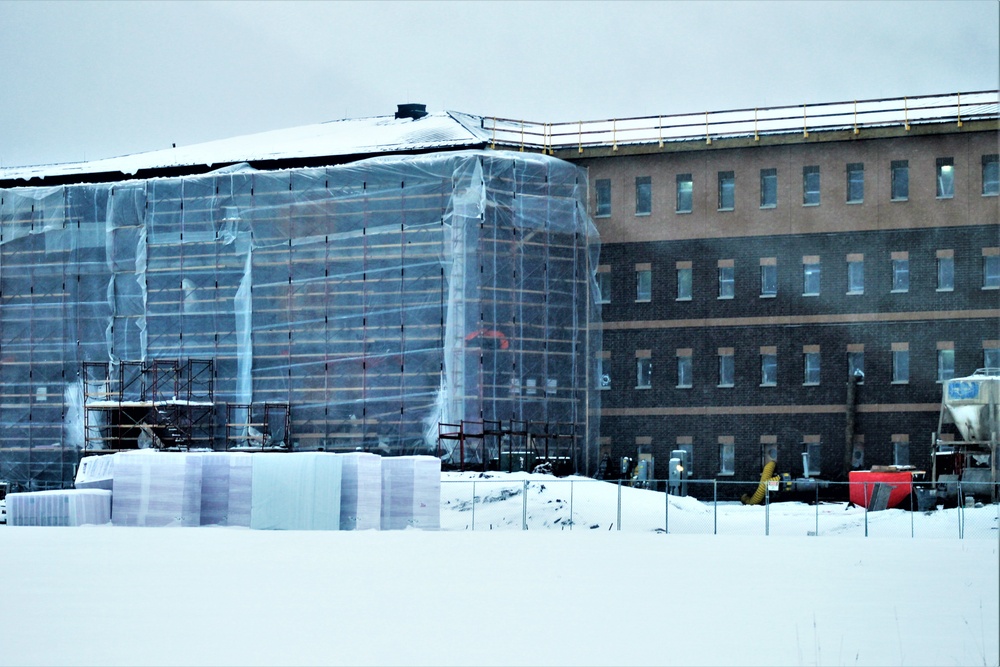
(352, 307)
(511, 445)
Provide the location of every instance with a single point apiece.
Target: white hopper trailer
(968, 467)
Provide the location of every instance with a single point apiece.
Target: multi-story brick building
(745, 277)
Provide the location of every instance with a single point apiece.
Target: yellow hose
(766, 476)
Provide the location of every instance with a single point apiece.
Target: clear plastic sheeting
(69, 507)
(378, 300)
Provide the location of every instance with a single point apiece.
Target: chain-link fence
(703, 507)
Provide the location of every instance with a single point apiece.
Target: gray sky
(86, 80)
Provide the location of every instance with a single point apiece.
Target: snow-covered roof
(357, 136)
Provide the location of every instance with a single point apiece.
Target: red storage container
(863, 482)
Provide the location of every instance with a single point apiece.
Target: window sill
(945, 197)
(900, 382)
(900, 200)
(768, 206)
(683, 212)
(644, 386)
(684, 386)
(898, 291)
(991, 194)
(725, 386)
(643, 300)
(604, 303)
(810, 384)
(855, 293)
(810, 205)
(604, 388)
(725, 474)
(945, 289)
(683, 298)
(768, 296)
(810, 294)
(768, 384)
(725, 210)
(643, 215)
(991, 287)
(726, 298)
(855, 203)
(602, 215)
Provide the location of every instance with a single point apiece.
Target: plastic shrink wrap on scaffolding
(377, 300)
(411, 493)
(69, 507)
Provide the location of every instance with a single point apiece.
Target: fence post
(867, 503)
(524, 508)
(473, 505)
(961, 513)
(571, 522)
(619, 504)
(912, 493)
(816, 504)
(767, 511)
(666, 511)
(715, 506)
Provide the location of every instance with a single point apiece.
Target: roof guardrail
(856, 115)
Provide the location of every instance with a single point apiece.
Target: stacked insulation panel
(411, 493)
(69, 507)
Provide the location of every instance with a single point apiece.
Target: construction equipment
(967, 466)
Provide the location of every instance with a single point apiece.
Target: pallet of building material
(225, 489)
(153, 488)
(295, 491)
(95, 472)
(411, 492)
(67, 507)
(361, 491)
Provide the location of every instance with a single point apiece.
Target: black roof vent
(413, 111)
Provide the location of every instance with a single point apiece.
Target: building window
(856, 365)
(900, 363)
(855, 274)
(900, 450)
(643, 372)
(768, 278)
(684, 281)
(811, 462)
(643, 195)
(643, 284)
(991, 175)
(945, 271)
(727, 458)
(727, 190)
(991, 268)
(900, 180)
(855, 183)
(900, 274)
(768, 367)
(685, 193)
(727, 367)
(684, 369)
(991, 357)
(810, 276)
(603, 371)
(810, 186)
(727, 279)
(768, 188)
(945, 177)
(810, 364)
(945, 363)
(604, 285)
(603, 186)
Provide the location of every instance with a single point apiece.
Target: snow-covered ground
(107, 595)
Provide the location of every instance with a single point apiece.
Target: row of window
(811, 452)
(811, 272)
(810, 365)
(855, 176)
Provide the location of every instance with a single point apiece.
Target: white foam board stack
(411, 492)
(299, 491)
(361, 491)
(157, 489)
(68, 507)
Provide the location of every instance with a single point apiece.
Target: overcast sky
(87, 80)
